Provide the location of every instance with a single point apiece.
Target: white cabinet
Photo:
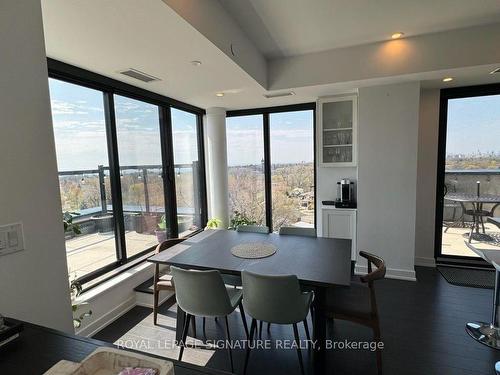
(337, 130)
(340, 223)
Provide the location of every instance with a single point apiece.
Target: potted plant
(78, 316)
(70, 228)
(213, 223)
(161, 231)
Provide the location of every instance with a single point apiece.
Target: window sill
(114, 278)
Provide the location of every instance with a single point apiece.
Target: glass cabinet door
(337, 119)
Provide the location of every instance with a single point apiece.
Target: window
(116, 178)
(139, 151)
(245, 158)
(82, 159)
(187, 171)
(292, 168)
(278, 189)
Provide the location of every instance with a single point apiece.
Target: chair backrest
(201, 293)
(378, 262)
(253, 228)
(167, 244)
(161, 247)
(298, 231)
(274, 299)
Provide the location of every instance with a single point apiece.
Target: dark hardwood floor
(422, 327)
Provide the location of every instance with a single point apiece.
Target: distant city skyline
(473, 125)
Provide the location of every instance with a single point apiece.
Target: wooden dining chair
(162, 281)
(358, 303)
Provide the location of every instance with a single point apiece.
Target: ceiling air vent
(279, 94)
(137, 74)
(497, 70)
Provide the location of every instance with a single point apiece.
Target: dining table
(319, 263)
(477, 201)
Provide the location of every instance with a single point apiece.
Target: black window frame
(110, 87)
(445, 96)
(266, 112)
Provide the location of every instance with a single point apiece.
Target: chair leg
(376, 335)
(297, 341)
(472, 229)
(243, 317)
(482, 224)
(184, 335)
(306, 327)
(155, 306)
(228, 338)
(253, 326)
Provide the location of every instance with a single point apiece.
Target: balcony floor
(453, 240)
(90, 252)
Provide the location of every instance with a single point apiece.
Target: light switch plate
(11, 238)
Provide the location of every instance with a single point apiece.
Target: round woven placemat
(253, 250)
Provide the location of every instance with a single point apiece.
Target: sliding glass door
(469, 171)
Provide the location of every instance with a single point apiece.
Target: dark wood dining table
(319, 263)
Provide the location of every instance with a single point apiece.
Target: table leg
(181, 317)
(319, 332)
(488, 333)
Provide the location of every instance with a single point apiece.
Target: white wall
(387, 175)
(34, 282)
(426, 177)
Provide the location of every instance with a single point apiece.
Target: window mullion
(114, 174)
(168, 171)
(267, 172)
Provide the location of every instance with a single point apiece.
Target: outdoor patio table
(488, 333)
(477, 204)
(317, 262)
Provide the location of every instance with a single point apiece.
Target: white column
(216, 159)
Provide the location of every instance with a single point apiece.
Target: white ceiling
(295, 27)
(109, 36)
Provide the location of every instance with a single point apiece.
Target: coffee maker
(345, 194)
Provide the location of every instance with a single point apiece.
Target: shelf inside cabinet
(336, 129)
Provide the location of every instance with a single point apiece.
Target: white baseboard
(391, 273)
(425, 262)
(108, 318)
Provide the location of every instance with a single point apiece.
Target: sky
(291, 135)
(473, 125)
(80, 134)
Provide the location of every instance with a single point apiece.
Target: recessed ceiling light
(448, 79)
(196, 62)
(397, 35)
(219, 94)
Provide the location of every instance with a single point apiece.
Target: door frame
(445, 96)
